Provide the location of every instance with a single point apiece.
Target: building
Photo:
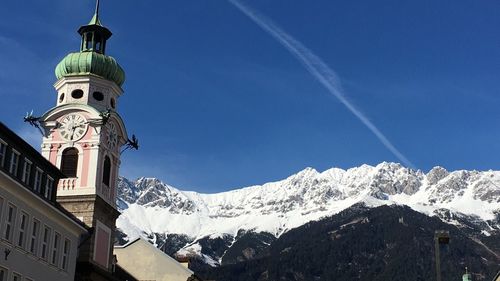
(153, 264)
(58, 210)
(38, 238)
(83, 137)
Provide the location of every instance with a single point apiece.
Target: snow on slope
(149, 205)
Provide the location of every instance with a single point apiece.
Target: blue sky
(218, 103)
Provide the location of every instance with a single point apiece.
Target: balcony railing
(67, 184)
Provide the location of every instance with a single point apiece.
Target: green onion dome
(92, 58)
(82, 63)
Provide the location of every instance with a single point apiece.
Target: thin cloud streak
(320, 70)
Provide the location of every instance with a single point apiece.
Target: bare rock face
(152, 192)
(392, 178)
(127, 192)
(436, 174)
(447, 189)
(487, 188)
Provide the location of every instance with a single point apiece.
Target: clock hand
(72, 132)
(73, 129)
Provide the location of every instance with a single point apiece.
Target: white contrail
(319, 70)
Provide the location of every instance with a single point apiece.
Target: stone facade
(94, 212)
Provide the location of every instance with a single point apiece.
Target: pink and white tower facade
(83, 137)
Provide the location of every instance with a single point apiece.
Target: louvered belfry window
(106, 171)
(69, 162)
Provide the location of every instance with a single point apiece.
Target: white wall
(20, 260)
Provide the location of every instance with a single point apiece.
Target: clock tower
(83, 136)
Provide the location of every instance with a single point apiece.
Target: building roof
(30, 151)
(90, 62)
(91, 59)
(146, 262)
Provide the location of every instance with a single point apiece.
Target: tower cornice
(88, 78)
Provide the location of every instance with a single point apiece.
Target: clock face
(112, 137)
(73, 127)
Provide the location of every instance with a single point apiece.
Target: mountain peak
(308, 171)
(305, 196)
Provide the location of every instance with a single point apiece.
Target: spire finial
(97, 8)
(95, 19)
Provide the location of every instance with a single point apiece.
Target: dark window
(88, 40)
(37, 186)
(9, 222)
(69, 162)
(14, 163)
(26, 171)
(106, 175)
(3, 274)
(3, 153)
(113, 103)
(98, 96)
(22, 229)
(49, 186)
(64, 264)
(55, 249)
(77, 94)
(61, 97)
(45, 242)
(34, 236)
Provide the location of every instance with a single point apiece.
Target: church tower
(83, 136)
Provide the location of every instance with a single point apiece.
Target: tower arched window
(106, 174)
(69, 162)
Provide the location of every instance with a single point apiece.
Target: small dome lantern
(94, 34)
(92, 58)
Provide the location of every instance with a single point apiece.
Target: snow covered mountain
(360, 243)
(156, 210)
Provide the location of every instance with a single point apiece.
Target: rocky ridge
(155, 209)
